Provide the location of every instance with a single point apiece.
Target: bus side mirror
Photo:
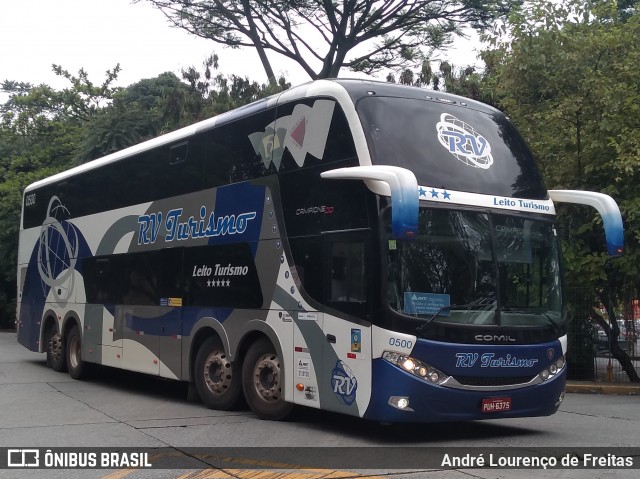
(608, 209)
(399, 183)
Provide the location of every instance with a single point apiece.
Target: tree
(136, 113)
(159, 105)
(568, 77)
(210, 94)
(40, 132)
(459, 81)
(324, 36)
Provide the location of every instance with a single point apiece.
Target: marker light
(416, 367)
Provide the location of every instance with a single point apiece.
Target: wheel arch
(70, 320)
(257, 329)
(49, 320)
(201, 331)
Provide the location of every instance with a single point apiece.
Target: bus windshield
(476, 268)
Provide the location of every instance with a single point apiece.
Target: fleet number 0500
(400, 343)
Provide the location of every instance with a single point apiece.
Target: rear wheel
(262, 381)
(78, 369)
(56, 358)
(217, 379)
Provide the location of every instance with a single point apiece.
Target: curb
(604, 388)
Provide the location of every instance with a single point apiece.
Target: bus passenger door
(347, 331)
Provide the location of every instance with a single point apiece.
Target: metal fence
(588, 356)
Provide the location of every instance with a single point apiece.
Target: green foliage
(567, 74)
(210, 94)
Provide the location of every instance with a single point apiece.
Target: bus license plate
(496, 404)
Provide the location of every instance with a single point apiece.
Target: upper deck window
(450, 146)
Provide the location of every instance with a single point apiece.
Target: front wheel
(262, 381)
(217, 378)
(78, 369)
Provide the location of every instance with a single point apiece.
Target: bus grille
(509, 381)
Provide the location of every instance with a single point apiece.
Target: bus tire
(217, 379)
(56, 358)
(78, 369)
(262, 376)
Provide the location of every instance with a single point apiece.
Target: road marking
(119, 474)
(276, 470)
(257, 474)
(260, 474)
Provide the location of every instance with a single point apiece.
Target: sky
(98, 34)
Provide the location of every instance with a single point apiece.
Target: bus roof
(336, 88)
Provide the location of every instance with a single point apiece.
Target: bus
(372, 249)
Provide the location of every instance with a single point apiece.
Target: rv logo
(464, 142)
(344, 383)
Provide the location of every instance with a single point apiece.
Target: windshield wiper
(554, 324)
(485, 301)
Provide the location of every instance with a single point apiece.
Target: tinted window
(141, 279)
(178, 171)
(214, 157)
(229, 154)
(101, 281)
(308, 265)
(325, 148)
(348, 283)
(449, 146)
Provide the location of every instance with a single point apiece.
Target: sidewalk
(603, 388)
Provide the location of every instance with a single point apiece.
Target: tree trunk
(613, 333)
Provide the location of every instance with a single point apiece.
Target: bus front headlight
(416, 367)
(553, 370)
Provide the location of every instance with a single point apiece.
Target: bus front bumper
(427, 402)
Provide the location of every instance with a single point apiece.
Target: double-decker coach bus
(373, 249)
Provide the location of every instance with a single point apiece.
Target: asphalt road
(40, 408)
